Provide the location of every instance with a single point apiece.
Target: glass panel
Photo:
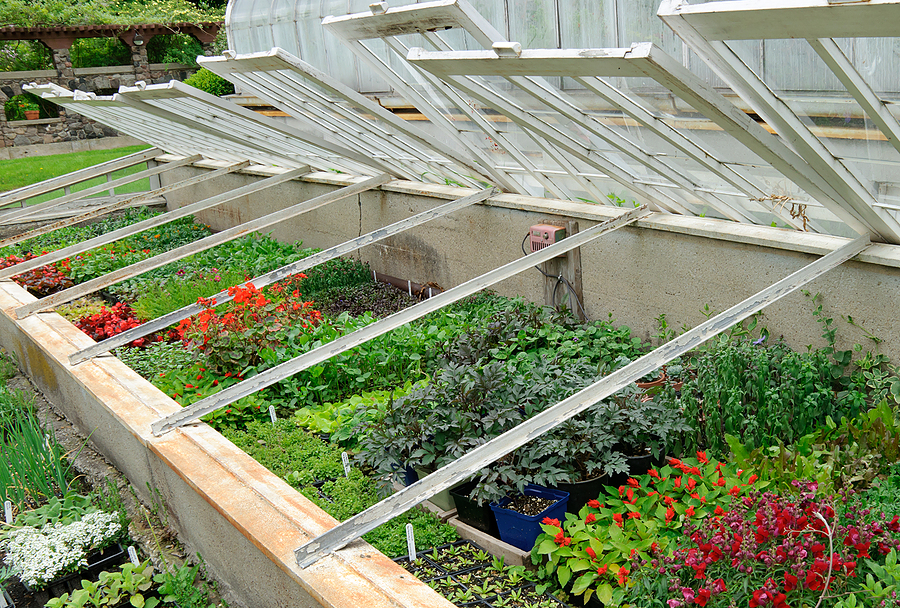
(533, 23)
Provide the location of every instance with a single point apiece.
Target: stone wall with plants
(55, 124)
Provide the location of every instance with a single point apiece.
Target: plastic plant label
(272, 414)
(133, 556)
(3, 602)
(346, 460)
(410, 543)
(7, 508)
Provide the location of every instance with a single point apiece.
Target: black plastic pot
(580, 492)
(480, 517)
(637, 465)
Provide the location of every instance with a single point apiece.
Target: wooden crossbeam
(81, 290)
(348, 341)
(279, 274)
(153, 222)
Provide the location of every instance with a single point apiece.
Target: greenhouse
(705, 295)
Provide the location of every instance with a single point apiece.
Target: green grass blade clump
(33, 466)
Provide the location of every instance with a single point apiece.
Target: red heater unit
(544, 235)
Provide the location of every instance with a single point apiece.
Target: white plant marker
(7, 507)
(272, 414)
(3, 602)
(133, 556)
(346, 460)
(410, 543)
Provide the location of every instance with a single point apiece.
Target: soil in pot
(528, 505)
(521, 530)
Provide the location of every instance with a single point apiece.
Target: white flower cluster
(40, 555)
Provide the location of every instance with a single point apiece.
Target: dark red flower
(790, 582)
(702, 597)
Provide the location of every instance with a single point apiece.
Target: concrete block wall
(666, 264)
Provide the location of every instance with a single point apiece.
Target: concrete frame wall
(666, 264)
(243, 520)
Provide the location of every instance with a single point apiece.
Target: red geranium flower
(551, 522)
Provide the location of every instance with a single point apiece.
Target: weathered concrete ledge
(240, 517)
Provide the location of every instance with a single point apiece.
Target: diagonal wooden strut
(360, 336)
(74, 196)
(106, 209)
(280, 273)
(153, 222)
(55, 183)
(475, 460)
(184, 251)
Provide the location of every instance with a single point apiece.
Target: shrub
(233, 341)
(210, 82)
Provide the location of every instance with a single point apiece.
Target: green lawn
(19, 172)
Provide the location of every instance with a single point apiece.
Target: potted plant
(643, 428)
(31, 110)
(519, 517)
(51, 557)
(587, 451)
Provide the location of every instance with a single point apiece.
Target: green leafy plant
(63, 511)
(594, 550)
(210, 82)
(129, 584)
(340, 419)
(850, 455)
(180, 585)
(13, 403)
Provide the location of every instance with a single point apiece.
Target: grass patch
(19, 172)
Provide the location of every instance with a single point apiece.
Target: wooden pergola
(62, 36)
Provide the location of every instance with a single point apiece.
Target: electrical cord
(559, 279)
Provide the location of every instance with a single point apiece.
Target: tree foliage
(92, 12)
